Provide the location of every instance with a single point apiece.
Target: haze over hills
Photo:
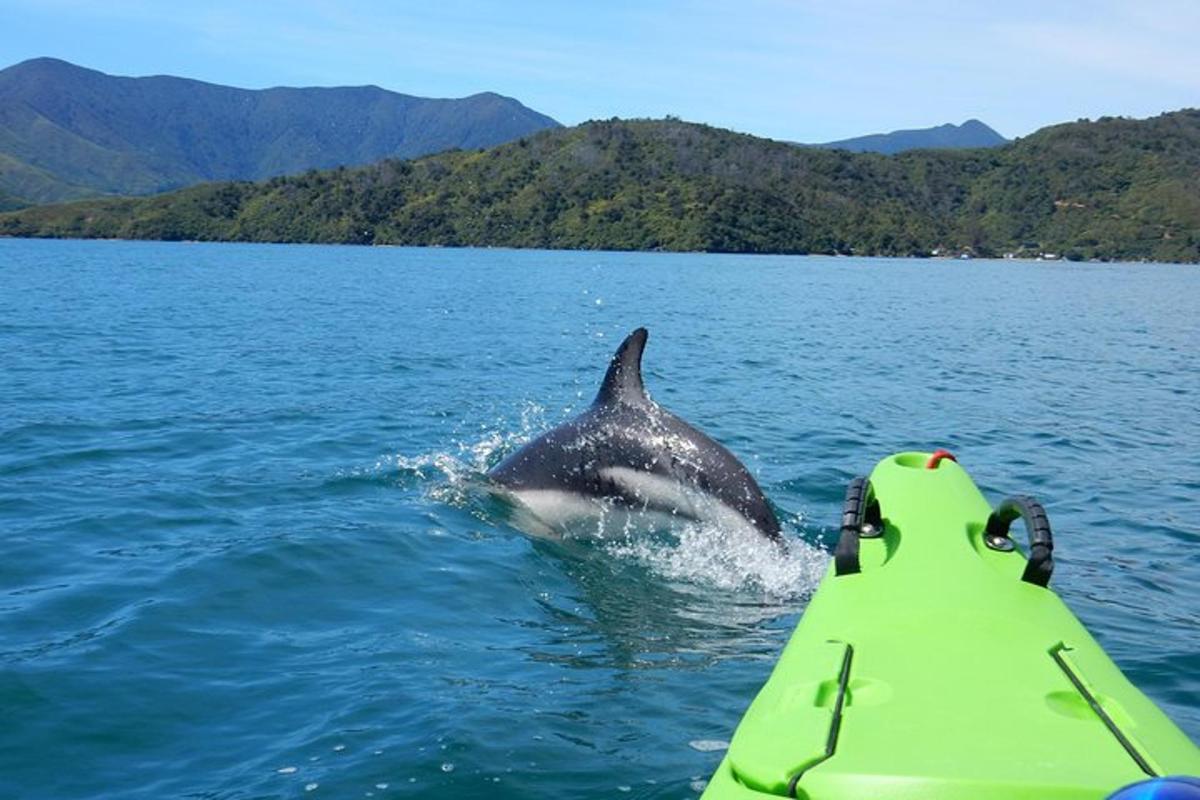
(68, 132)
(971, 133)
(1110, 189)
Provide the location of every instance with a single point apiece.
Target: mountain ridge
(67, 131)
(948, 136)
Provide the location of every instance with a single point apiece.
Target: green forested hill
(1113, 189)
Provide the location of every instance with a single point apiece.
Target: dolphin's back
(685, 454)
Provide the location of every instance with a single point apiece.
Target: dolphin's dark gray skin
(627, 453)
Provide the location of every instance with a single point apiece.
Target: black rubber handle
(859, 510)
(1037, 525)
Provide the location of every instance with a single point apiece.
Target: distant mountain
(68, 132)
(9, 202)
(1109, 189)
(971, 133)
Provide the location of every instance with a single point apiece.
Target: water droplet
(447, 767)
(337, 748)
(286, 770)
(308, 787)
(698, 786)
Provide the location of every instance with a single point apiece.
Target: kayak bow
(933, 663)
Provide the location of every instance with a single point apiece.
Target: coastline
(599, 250)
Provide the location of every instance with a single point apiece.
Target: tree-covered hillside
(1112, 189)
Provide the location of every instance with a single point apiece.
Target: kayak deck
(937, 672)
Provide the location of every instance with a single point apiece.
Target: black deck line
(835, 726)
(1101, 713)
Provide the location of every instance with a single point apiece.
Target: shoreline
(492, 248)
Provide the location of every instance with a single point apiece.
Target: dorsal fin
(623, 381)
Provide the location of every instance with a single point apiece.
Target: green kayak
(934, 663)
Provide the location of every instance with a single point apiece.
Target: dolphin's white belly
(661, 503)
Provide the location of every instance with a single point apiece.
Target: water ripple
(244, 555)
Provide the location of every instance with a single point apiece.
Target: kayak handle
(1037, 525)
(860, 520)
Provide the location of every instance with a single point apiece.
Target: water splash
(712, 554)
(450, 475)
(729, 560)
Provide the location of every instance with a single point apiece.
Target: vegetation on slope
(1112, 189)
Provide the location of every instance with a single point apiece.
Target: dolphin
(627, 458)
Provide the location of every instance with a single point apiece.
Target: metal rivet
(1000, 543)
(869, 531)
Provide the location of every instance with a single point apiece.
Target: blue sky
(802, 71)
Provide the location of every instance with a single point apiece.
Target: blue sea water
(240, 560)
